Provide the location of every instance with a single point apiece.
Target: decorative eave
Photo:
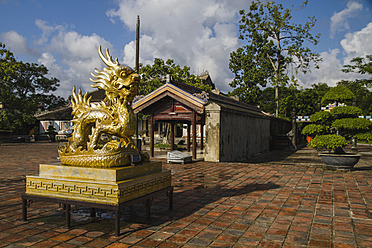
(60, 114)
(218, 98)
(170, 90)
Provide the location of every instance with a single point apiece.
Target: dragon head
(118, 81)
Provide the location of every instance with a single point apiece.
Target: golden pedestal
(98, 185)
(107, 188)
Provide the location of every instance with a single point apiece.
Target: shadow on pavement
(186, 203)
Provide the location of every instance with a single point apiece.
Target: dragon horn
(109, 57)
(74, 95)
(107, 60)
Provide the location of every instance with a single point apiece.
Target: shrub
(329, 142)
(346, 111)
(322, 117)
(364, 136)
(352, 124)
(313, 129)
(338, 94)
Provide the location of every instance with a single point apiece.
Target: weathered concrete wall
(212, 132)
(235, 134)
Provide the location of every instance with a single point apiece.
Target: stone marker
(178, 157)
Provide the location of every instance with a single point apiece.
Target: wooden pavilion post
(172, 136)
(152, 135)
(201, 136)
(188, 137)
(193, 134)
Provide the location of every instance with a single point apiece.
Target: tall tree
(273, 47)
(321, 89)
(304, 100)
(24, 89)
(155, 75)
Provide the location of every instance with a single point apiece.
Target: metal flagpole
(138, 144)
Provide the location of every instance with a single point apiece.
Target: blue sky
(64, 35)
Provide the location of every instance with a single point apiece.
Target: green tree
(288, 100)
(362, 93)
(154, 76)
(273, 46)
(321, 89)
(338, 94)
(360, 65)
(304, 100)
(360, 87)
(24, 89)
(266, 101)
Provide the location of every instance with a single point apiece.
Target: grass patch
(166, 146)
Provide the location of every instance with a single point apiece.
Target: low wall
(278, 131)
(235, 134)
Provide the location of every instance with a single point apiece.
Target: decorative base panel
(106, 186)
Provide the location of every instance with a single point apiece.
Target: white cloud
(70, 56)
(329, 71)
(358, 44)
(339, 20)
(17, 43)
(199, 34)
(46, 29)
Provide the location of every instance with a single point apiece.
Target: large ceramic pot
(340, 161)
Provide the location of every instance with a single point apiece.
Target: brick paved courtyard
(282, 199)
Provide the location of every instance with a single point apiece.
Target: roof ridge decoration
(202, 96)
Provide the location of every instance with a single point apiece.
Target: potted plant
(342, 125)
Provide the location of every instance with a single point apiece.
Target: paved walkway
(282, 199)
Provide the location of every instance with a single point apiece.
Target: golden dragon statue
(102, 132)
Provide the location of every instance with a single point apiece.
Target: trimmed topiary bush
(322, 117)
(338, 94)
(352, 124)
(364, 136)
(346, 111)
(328, 142)
(313, 129)
(343, 123)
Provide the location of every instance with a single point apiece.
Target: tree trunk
(276, 99)
(276, 93)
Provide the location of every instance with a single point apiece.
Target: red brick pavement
(269, 203)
